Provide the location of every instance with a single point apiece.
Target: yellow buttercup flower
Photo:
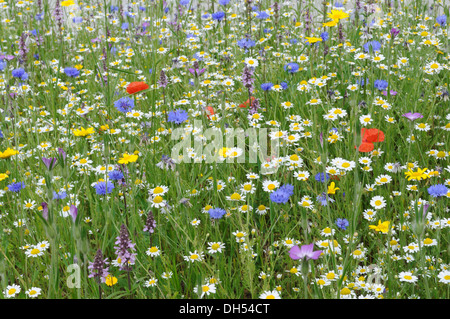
(331, 23)
(8, 153)
(313, 39)
(128, 158)
(382, 227)
(337, 15)
(84, 132)
(419, 175)
(3, 176)
(67, 3)
(332, 189)
(110, 280)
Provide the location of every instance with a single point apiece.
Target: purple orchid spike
(49, 162)
(413, 116)
(306, 251)
(73, 212)
(321, 138)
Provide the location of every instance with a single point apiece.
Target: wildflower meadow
(224, 149)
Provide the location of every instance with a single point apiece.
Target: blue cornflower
(374, 45)
(166, 9)
(262, 15)
(124, 104)
(206, 16)
(293, 41)
(321, 177)
(113, 9)
(342, 223)
(324, 36)
(103, 188)
(77, 19)
(178, 116)
(125, 26)
(291, 67)
(442, 20)
(266, 30)
(216, 213)
(16, 187)
(2, 65)
(1, 134)
(115, 175)
(60, 195)
(361, 82)
(266, 86)
(72, 72)
(323, 199)
(380, 84)
(198, 56)
(284, 85)
(20, 73)
(224, 2)
(184, 2)
(438, 190)
(246, 43)
(282, 195)
(39, 16)
(219, 15)
(142, 8)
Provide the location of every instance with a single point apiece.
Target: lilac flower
(178, 116)
(2, 65)
(438, 190)
(305, 252)
(162, 82)
(97, 267)
(196, 70)
(166, 163)
(247, 78)
(216, 213)
(412, 116)
(124, 104)
(125, 250)
(103, 188)
(150, 224)
(342, 223)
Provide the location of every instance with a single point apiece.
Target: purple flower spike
(307, 251)
(73, 212)
(62, 153)
(413, 116)
(394, 32)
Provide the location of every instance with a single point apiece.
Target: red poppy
(135, 87)
(372, 135)
(366, 147)
(209, 111)
(246, 103)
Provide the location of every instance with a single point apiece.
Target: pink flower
(305, 252)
